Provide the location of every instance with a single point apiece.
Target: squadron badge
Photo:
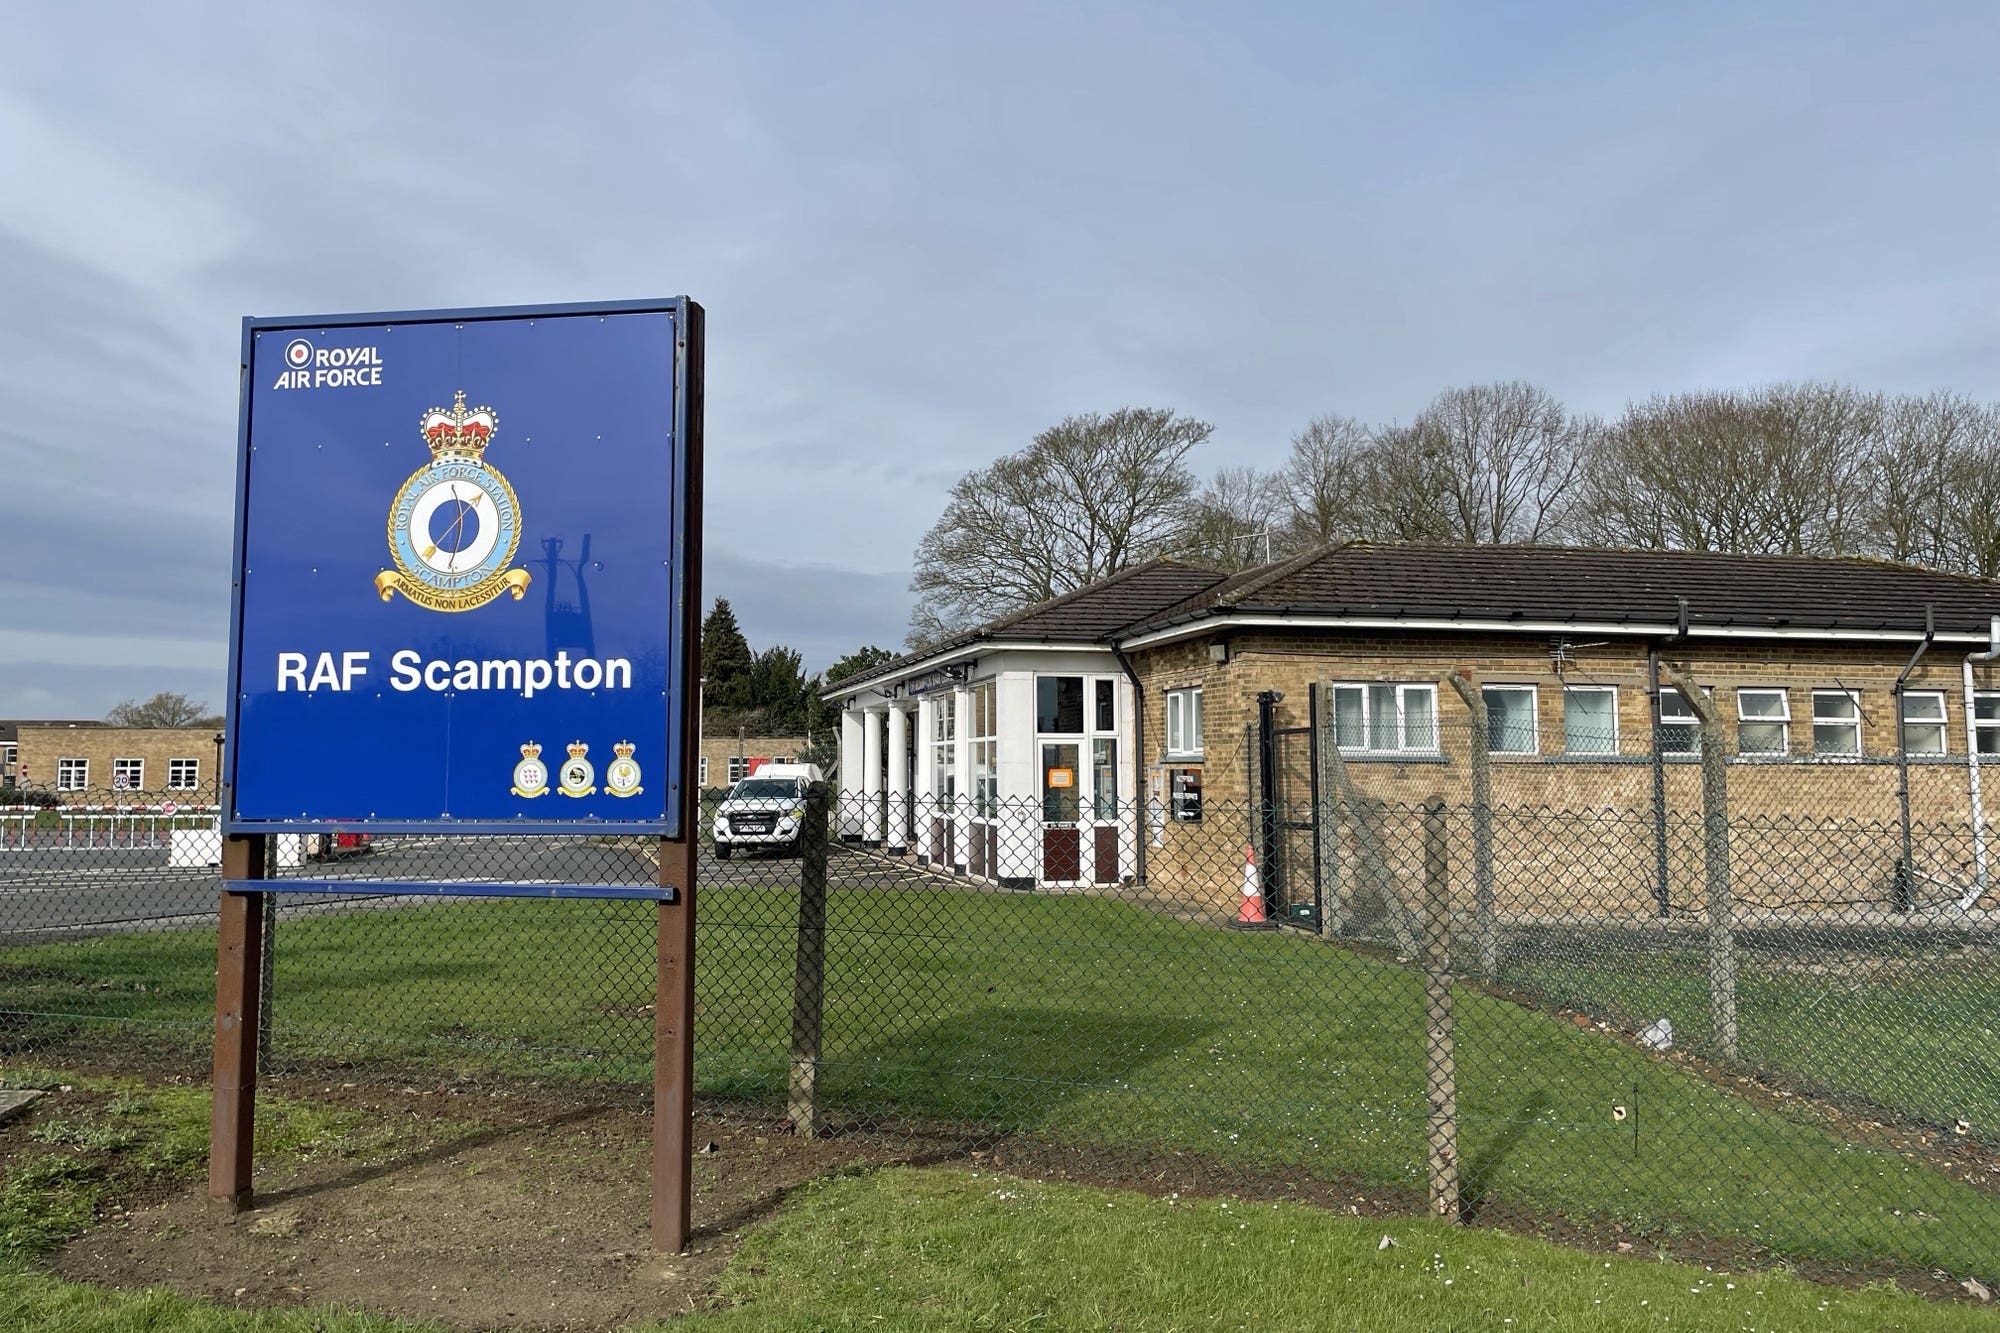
(454, 525)
(622, 777)
(531, 775)
(578, 775)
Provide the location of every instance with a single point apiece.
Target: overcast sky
(923, 233)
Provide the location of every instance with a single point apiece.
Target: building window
(1836, 722)
(739, 768)
(1510, 719)
(701, 771)
(1385, 719)
(128, 775)
(1059, 705)
(1107, 708)
(1923, 722)
(985, 751)
(1763, 722)
(1679, 730)
(9, 756)
(1986, 723)
(1590, 719)
(944, 750)
(183, 774)
(72, 774)
(1184, 723)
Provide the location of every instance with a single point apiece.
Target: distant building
(726, 759)
(89, 761)
(10, 745)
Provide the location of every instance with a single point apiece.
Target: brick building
(724, 759)
(1834, 678)
(83, 763)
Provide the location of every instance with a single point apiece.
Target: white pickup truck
(766, 810)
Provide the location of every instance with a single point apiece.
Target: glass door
(1062, 792)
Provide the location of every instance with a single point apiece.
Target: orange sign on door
(1062, 777)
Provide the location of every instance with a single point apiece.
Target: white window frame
(131, 768)
(1671, 697)
(1782, 720)
(701, 772)
(1534, 746)
(10, 755)
(72, 775)
(738, 769)
(1611, 690)
(1942, 722)
(183, 774)
(1854, 723)
(1403, 692)
(1184, 719)
(1986, 730)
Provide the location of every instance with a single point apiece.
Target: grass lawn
(1080, 1018)
(1919, 1038)
(951, 1249)
(955, 1249)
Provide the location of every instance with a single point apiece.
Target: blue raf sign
(461, 569)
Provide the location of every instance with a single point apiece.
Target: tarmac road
(51, 894)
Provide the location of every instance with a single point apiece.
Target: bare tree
(1787, 469)
(1235, 522)
(1935, 483)
(1324, 481)
(165, 709)
(1092, 495)
(1506, 459)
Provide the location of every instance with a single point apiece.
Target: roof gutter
(1634, 629)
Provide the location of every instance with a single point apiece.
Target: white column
(847, 800)
(871, 777)
(899, 778)
(927, 793)
(1020, 779)
(961, 776)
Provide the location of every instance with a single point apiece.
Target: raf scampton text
(408, 670)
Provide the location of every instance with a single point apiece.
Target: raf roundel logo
(298, 354)
(455, 524)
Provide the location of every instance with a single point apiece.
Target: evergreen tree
(778, 688)
(725, 659)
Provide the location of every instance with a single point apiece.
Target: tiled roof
(1090, 614)
(1594, 585)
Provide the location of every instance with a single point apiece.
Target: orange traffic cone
(1252, 911)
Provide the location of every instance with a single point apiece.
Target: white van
(765, 810)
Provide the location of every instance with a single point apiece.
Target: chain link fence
(1599, 993)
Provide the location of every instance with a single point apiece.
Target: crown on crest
(460, 431)
(531, 750)
(577, 749)
(623, 749)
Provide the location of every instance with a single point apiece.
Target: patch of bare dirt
(514, 1224)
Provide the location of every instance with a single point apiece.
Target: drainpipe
(1972, 768)
(1905, 895)
(1141, 829)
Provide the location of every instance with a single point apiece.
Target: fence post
(1715, 862)
(1326, 746)
(1440, 1072)
(809, 969)
(233, 1084)
(1487, 926)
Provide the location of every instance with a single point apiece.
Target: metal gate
(1287, 804)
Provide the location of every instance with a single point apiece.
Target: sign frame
(683, 540)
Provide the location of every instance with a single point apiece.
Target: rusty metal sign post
(601, 409)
